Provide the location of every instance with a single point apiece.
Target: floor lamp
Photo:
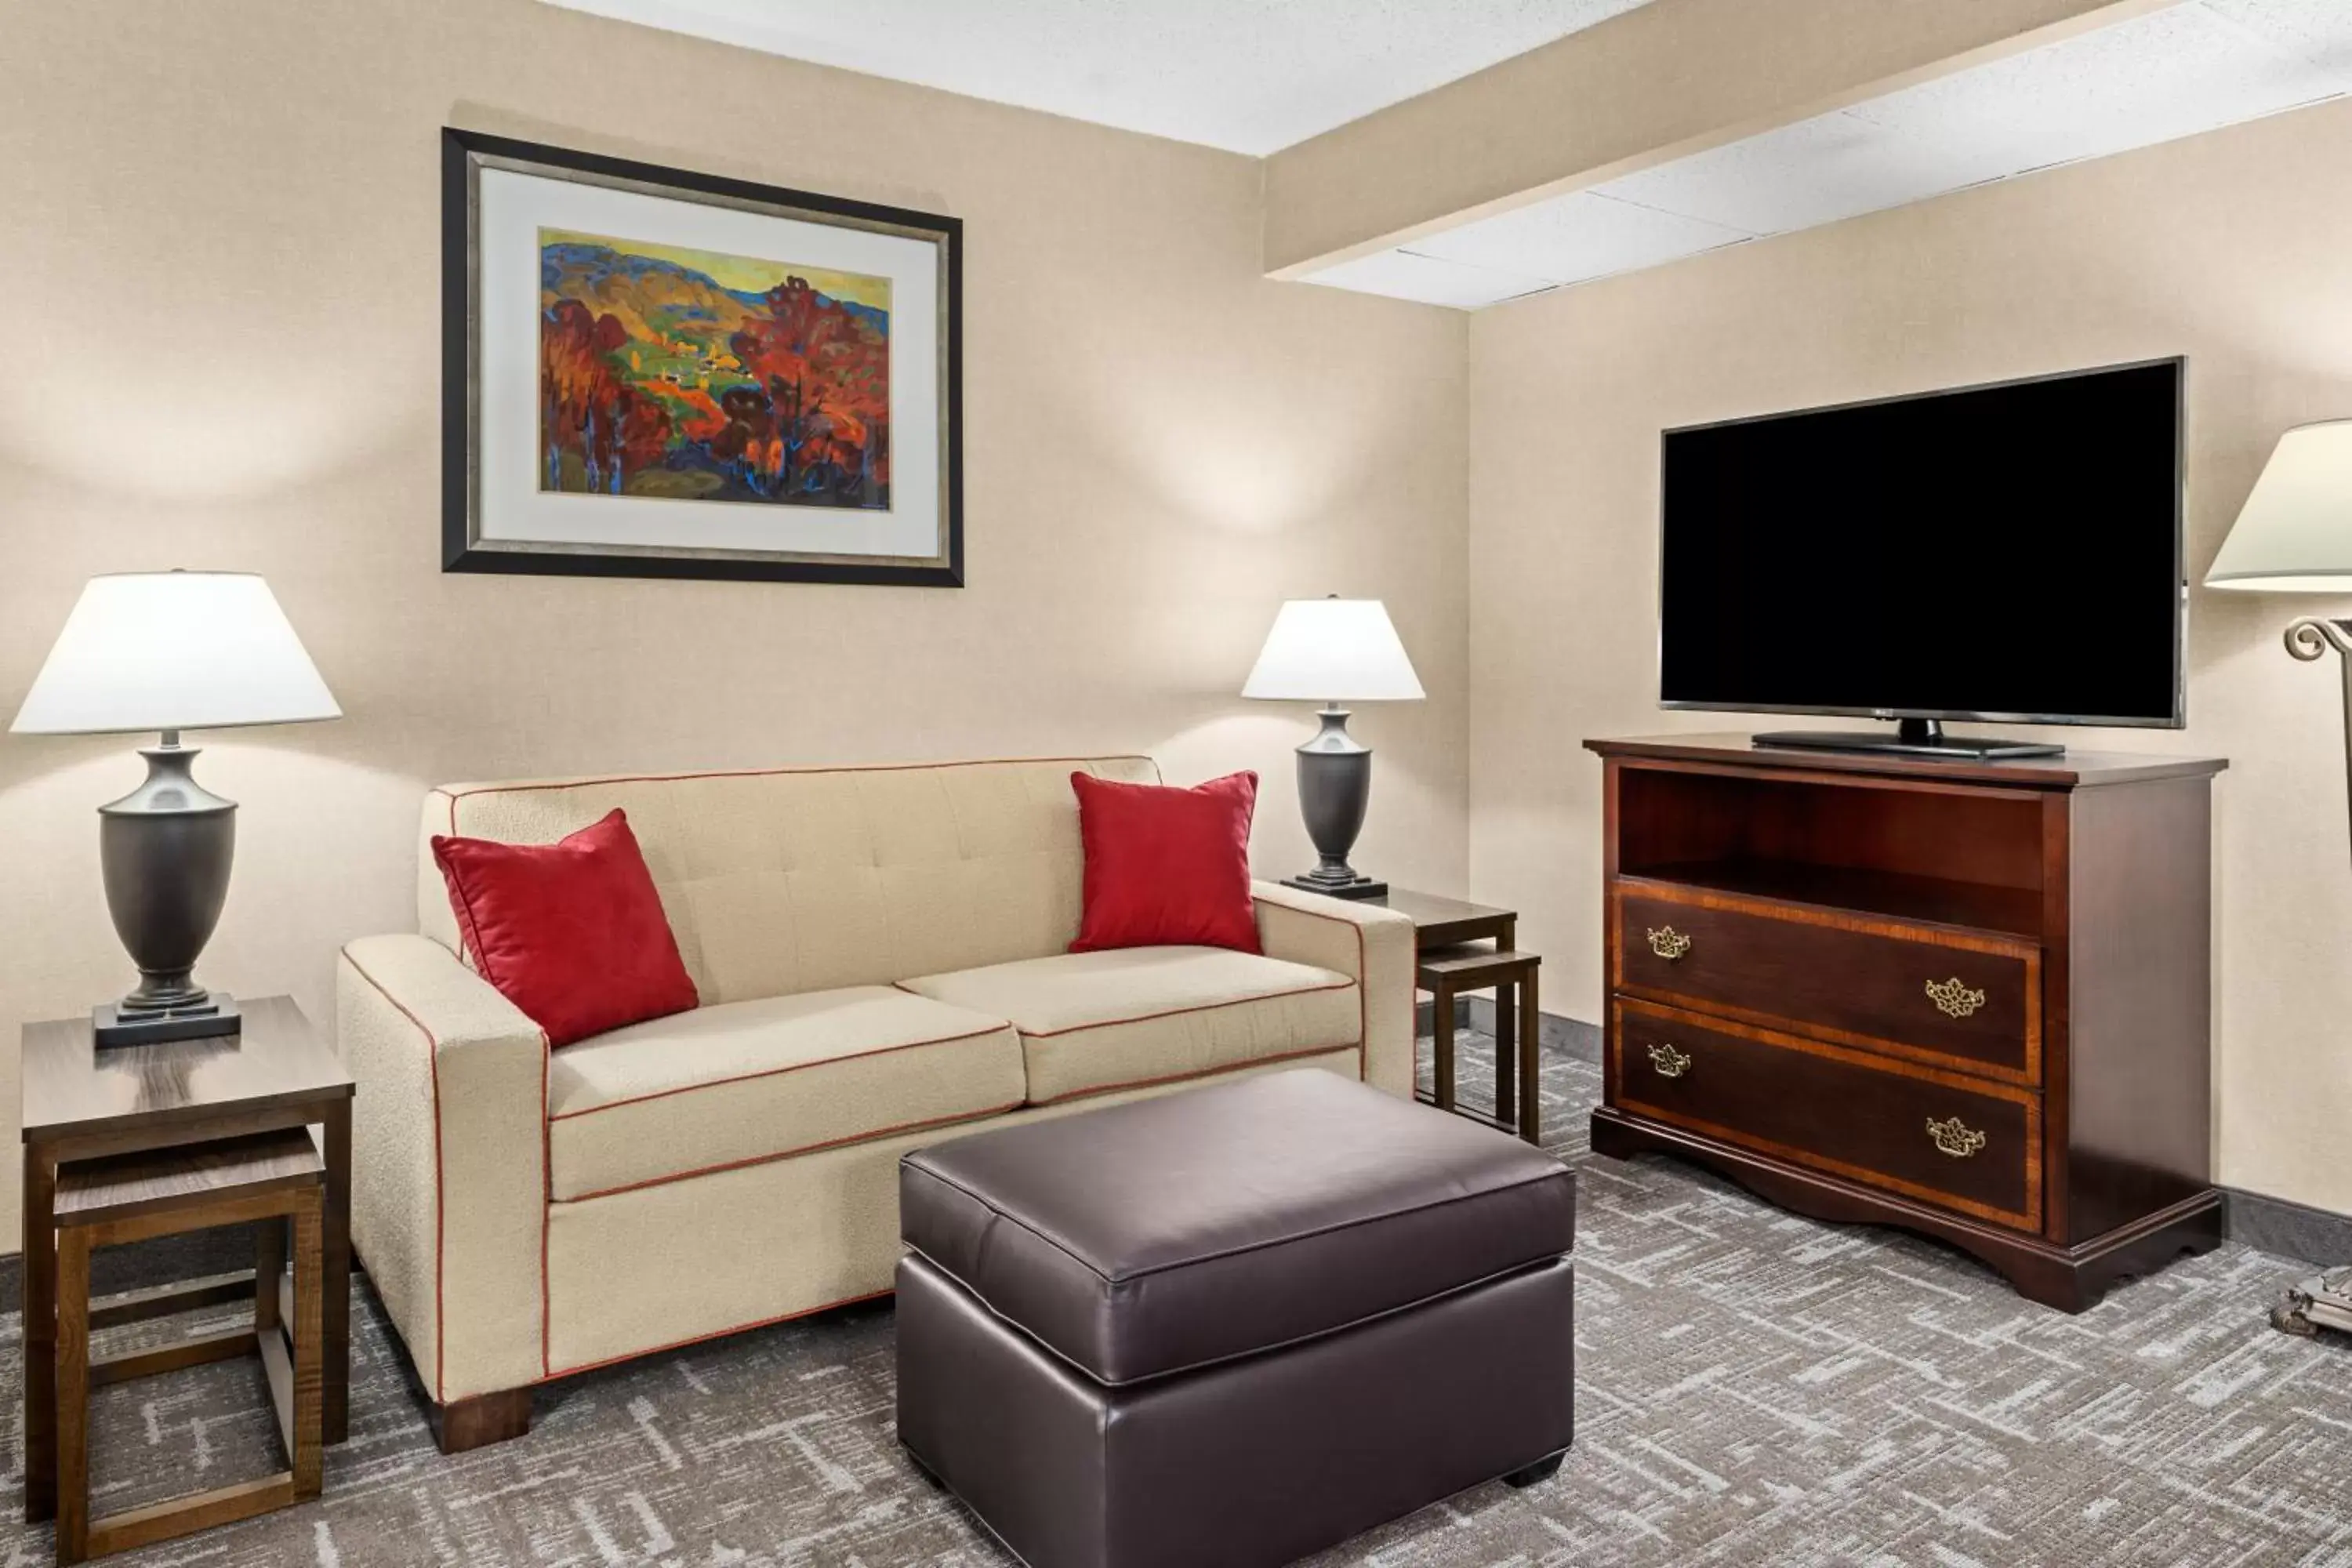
(2294, 536)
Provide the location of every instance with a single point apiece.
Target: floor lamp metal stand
(2324, 1301)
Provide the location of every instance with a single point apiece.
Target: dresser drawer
(1971, 1000)
(1960, 1143)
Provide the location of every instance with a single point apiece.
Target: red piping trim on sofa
(774, 1072)
(875, 1136)
(716, 1334)
(1227, 1069)
(456, 795)
(546, 1195)
(1180, 1012)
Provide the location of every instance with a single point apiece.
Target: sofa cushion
(1093, 1022)
(1170, 1233)
(747, 1081)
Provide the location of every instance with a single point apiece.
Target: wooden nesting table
(273, 1179)
(1460, 947)
(80, 1103)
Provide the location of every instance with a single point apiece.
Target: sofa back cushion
(783, 880)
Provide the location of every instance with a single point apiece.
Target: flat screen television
(2008, 553)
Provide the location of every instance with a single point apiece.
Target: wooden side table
(80, 1103)
(1462, 947)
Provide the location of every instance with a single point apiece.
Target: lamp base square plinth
(111, 1023)
(1361, 888)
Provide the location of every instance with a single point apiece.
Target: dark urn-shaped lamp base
(165, 849)
(1335, 785)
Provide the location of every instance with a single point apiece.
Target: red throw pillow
(1166, 866)
(570, 933)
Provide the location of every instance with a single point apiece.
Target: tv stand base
(1912, 737)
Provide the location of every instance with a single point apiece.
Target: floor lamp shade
(1334, 651)
(169, 651)
(2294, 535)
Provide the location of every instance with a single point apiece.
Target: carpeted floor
(1753, 1389)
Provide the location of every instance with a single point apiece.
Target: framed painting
(649, 373)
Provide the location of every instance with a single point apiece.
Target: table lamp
(2294, 536)
(171, 651)
(1334, 650)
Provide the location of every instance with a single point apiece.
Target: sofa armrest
(1373, 944)
(448, 1168)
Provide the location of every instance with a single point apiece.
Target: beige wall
(2230, 247)
(220, 242)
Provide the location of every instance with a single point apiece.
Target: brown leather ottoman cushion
(1147, 1238)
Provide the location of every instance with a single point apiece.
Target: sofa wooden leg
(484, 1419)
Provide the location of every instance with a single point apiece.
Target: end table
(82, 1103)
(1462, 947)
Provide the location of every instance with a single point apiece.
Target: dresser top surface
(2073, 770)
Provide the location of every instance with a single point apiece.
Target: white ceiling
(1247, 75)
(2190, 68)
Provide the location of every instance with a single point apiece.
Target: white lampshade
(174, 651)
(1333, 651)
(2294, 534)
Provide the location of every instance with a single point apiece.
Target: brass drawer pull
(1669, 1062)
(1668, 943)
(1953, 1138)
(1953, 999)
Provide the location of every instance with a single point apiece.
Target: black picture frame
(463, 153)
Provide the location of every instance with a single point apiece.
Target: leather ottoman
(1234, 1326)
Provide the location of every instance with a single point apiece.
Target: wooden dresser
(1969, 998)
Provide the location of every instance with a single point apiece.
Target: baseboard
(2287, 1228)
(1571, 1038)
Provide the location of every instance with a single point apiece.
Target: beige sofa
(882, 958)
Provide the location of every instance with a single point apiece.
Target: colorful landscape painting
(693, 375)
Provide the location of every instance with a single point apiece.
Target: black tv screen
(2000, 552)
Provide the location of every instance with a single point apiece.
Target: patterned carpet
(1754, 1389)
